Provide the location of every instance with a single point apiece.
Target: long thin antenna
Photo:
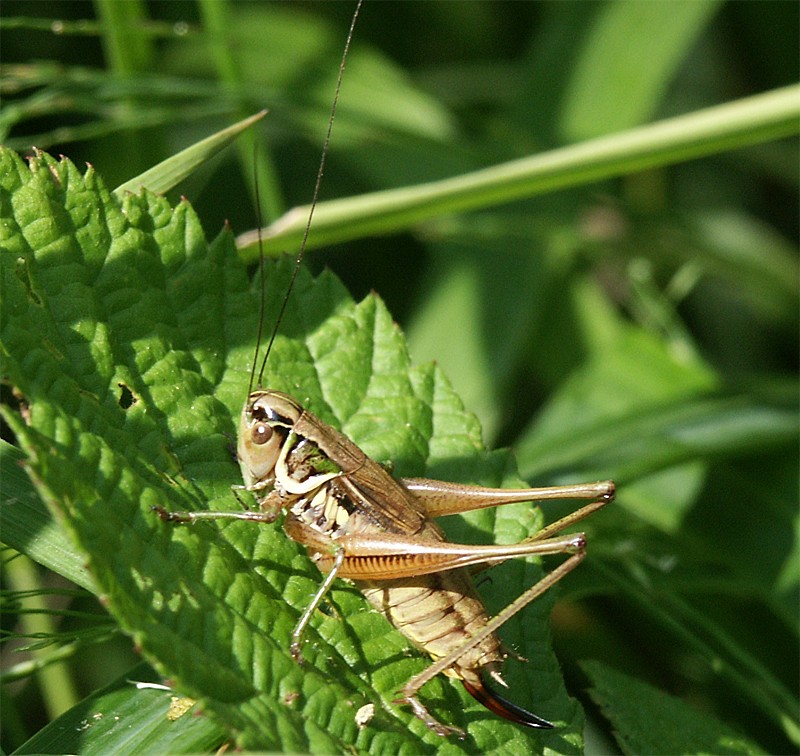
(317, 185)
(262, 304)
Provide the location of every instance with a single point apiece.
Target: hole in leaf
(126, 397)
(12, 398)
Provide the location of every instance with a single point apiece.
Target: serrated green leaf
(131, 339)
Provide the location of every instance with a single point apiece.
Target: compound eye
(261, 434)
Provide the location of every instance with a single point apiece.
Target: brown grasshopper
(360, 523)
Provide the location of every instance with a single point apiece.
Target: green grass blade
(170, 172)
(633, 444)
(125, 37)
(129, 51)
(737, 124)
(254, 156)
(714, 646)
(28, 526)
(630, 56)
(23, 578)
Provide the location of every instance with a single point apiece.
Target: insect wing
(370, 487)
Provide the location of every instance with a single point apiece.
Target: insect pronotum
(360, 523)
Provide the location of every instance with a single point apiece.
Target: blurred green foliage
(660, 307)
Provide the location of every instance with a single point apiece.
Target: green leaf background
(643, 328)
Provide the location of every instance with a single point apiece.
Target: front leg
(296, 647)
